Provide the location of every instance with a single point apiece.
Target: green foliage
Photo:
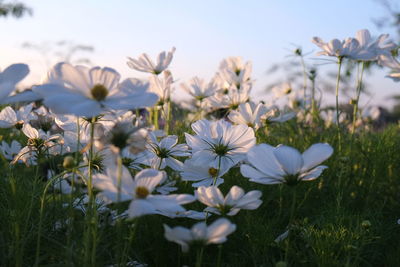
(347, 217)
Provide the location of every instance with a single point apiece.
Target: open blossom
(236, 73)
(199, 89)
(284, 164)
(161, 86)
(202, 174)
(145, 64)
(139, 191)
(234, 201)
(249, 114)
(215, 233)
(163, 153)
(10, 118)
(9, 77)
(371, 49)
(88, 92)
(220, 142)
(336, 48)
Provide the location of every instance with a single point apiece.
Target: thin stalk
(155, 114)
(119, 225)
(199, 257)
(358, 93)
(337, 102)
(40, 226)
(168, 117)
(291, 218)
(303, 65)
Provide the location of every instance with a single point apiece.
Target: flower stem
(199, 257)
(358, 93)
(337, 102)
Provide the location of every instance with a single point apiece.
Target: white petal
(315, 154)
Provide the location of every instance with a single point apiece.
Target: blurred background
(267, 33)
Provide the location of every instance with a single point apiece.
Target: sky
(203, 32)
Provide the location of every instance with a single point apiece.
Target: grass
(347, 217)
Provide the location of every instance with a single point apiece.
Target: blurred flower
(216, 233)
(10, 118)
(9, 151)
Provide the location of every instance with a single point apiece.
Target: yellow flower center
(213, 171)
(142, 192)
(99, 92)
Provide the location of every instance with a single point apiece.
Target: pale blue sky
(203, 32)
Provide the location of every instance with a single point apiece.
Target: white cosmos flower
(163, 153)
(199, 89)
(234, 201)
(145, 64)
(249, 114)
(10, 118)
(284, 164)
(215, 233)
(236, 73)
(9, 151)
(336, 48)
(161, 87)
(202, 174)
(88, 92)
(139, 191)
(219, 143)
(371, 49)
(9, 77)
(231, 98)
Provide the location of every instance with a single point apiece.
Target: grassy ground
(347, 217)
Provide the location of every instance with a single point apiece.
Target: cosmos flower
(234, 201)
(88, 92)
(248, 114)
(199, 89)
(139, 191)
(215, 233)
(371, 49)
(220, 143)
(284, 164)
(10, 118)
(145, 64)
(202, 174)
(163, 152)
(393, 64)
(336, 48)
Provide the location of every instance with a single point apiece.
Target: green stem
(304, 80)
(337, 102)
(358, 93)
(291, 218)
(199, 257)
(155, 114)
(168, 119)
(40, 226)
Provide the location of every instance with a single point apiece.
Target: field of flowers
(102, 172)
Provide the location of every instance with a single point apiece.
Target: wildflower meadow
(97, 170)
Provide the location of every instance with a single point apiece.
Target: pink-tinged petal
(149, 178)
(315, 155)
(289, 158)
(107, 77)
(29, 131)
(218, 231)
(250, 201)
(235, 193)
(8, 117)
(167, 204)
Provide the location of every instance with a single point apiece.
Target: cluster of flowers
(107, 132)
